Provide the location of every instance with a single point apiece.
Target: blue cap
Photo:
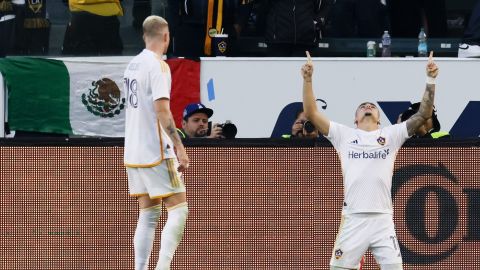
(196, 108)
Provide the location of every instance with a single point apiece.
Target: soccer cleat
(468, 51)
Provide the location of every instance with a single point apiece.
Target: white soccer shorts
(366, 231)
(160, 181)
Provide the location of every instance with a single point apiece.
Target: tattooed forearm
(426, 106)
(172, 132)
(424, 112)
(165, 119)
(414, 122)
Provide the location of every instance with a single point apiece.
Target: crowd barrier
(254, 204)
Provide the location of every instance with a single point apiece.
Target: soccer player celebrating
(367, 154)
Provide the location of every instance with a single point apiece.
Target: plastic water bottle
(386, 42)
(371, 51)
(422, 44)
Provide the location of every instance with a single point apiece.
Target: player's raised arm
(318, 119)
(426, 106)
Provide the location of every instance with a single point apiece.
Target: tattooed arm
(426, 106)
(424, 112)
(164, 115)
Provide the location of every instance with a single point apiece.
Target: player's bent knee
(180, 211)
(150, 215)
(397, 266)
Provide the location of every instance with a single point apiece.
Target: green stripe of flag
(38, 94)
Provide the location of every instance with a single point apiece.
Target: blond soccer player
(367, 154)
(154, 154)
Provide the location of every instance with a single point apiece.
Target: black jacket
(196, 11)
(293, 21)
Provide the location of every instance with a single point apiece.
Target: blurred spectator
(33, 29)
(292, 27)
(408, 16)
(302, 128)
(93, 28)
(144, 8)
(357, 18)
(431, 128)
(9, 10)
(470, 46)
(194, 22)
(159, 7)
(141, 9)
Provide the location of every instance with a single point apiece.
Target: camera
(229, 130)
(308, 126)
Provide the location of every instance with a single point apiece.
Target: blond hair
(154, 25)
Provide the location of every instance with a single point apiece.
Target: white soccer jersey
(367, 160)
(146, 79)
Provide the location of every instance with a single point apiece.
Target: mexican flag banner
(78, 97)
(83, 96)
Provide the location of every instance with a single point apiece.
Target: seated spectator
(302, 128)
(195, 123)
(431, 128)
(357, 18)
(408, 16)
(94, 28)
(470, 46)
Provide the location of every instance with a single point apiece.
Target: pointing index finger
(309, 58)
(430, 58)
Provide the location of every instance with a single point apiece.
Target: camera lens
(229, 130)
(308, 126)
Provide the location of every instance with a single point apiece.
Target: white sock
(172, 234)
(145, 234)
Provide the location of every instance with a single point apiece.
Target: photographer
(195, 124)
(302, 128)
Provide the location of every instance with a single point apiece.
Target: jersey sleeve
(160, 81)
(336, 134)
(399, 134)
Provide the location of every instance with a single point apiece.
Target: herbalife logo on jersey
(381, 154)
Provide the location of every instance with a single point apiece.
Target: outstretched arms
(426, 106)
(319, 120)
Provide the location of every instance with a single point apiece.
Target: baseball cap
(196, 108)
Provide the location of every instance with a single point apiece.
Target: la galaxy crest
(381, 140)
(338, 254)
